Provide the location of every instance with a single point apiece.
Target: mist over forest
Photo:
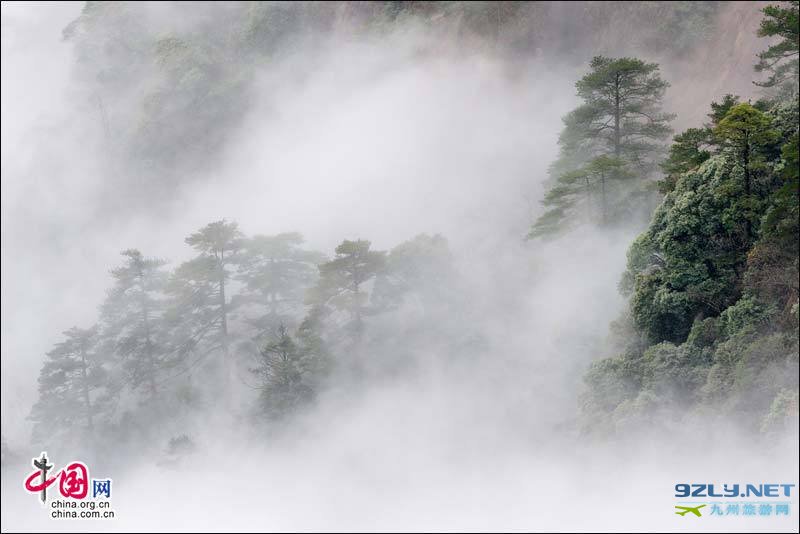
(386, 266)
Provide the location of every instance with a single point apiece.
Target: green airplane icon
(687, 509)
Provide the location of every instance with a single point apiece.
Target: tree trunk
(224, 327)
(746, 160)
(747, 187)
(616, 116)
(147, 340)
(617, 142)
(86, 399)
(603, 189)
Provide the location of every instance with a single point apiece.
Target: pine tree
(276, 273)
(747, 132)
(781, 59)
(315, 360)
(614, 136)
(280, 372)
(720, 109)
(587, 186)
(343, 280)
(72, 389)
(200, 309)
(695, 146)
(131, 317)
(420, 269)
(689, 150)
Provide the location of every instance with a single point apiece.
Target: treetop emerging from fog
(609, 147)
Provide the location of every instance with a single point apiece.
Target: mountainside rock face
(724, 64)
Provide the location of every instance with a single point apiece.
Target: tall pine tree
(781, 59)
(276, 273)
(200, 308)
(131, 317)
(610, 145)
(73, 390)
(280, 373)
(343, 283)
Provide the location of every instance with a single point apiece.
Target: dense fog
(455, 407)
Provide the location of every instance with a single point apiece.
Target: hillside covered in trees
(260, 313)
(527, 295)
(711, 330)
(153, 84)
(711, 325)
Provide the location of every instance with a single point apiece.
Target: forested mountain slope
(260, 323)
(159, 76)
(711, 332)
